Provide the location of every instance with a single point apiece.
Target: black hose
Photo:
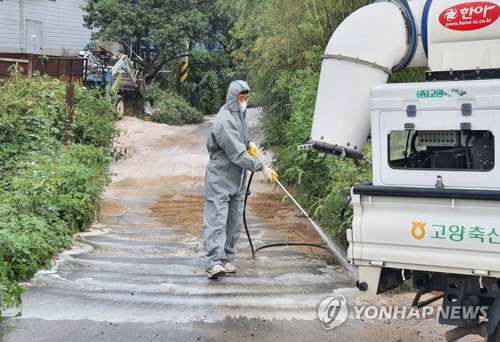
(413, 147)
(406, 148)
(344, 208)
(244, 213)
(279, 244)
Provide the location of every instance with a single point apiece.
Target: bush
(212, 94)
(32, 119)
(33, 116)
(93, 119)
(172, 109)
(29, 241)
(209, 70)
(48, 191)
(65, 187)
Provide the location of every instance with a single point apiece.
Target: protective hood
(235, 88)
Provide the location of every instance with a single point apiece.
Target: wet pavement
(135, 278)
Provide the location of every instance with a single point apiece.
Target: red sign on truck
(470, 16)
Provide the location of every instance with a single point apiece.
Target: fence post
(70, 110)
(30, 65)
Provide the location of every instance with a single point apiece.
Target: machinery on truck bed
(432, 211)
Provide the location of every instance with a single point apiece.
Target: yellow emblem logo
(418, 230)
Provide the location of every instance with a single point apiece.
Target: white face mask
(243, 106)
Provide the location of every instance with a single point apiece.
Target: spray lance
(331, 246)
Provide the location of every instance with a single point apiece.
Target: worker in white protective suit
(232, 153)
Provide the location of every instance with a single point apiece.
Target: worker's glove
(269, 174)
(253, 150)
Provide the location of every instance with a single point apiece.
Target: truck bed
(453, 231)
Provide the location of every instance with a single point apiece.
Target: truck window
(442, 150)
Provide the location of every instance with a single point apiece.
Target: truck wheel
(141, 87)
(120, 107)
(495, 337)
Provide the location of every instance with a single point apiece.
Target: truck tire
(141, 88)
(120, 107)
(495, 337)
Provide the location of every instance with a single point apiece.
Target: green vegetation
(172, 109)
(210, 70)
(48, 191)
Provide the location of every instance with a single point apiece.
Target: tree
(153, 31)
(275, 39)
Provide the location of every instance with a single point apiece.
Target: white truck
(432, 211)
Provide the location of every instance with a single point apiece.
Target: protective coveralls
(225, 179)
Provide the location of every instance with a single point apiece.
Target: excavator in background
(432, 211)
(115, 76)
